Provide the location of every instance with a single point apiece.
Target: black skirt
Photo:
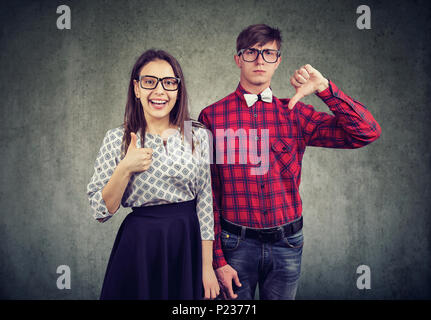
(157, 254)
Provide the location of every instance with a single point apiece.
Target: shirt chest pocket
(284, 152)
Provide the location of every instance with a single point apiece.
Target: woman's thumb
(133, 140)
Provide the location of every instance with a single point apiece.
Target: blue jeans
(275, 266)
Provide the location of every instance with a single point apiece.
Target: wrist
(323, 86)
(124, 168)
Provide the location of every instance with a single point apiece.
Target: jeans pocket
(229, 241)
(295, 241)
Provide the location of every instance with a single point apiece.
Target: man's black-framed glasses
(251, 54)
(151, 82)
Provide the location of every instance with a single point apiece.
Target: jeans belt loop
(243, 229)
(282, 232)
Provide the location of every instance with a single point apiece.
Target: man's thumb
(294, 100)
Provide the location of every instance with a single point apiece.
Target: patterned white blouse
(174, 175)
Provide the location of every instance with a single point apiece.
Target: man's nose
(259, 59)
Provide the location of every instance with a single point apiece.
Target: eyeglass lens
(268, 55)
(168, 83)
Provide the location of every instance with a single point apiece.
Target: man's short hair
(257, 34)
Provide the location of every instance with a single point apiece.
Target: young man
(258, 216)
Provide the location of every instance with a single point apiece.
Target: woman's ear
(136, 88)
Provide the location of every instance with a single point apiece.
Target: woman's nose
(159, 88)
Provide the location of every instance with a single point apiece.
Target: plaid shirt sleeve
(353, 126)
(218, 257)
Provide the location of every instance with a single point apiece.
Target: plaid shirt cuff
(332, 96)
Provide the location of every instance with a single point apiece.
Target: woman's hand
(209, 279)
(137, 159)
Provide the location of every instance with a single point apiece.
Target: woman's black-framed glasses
(251, 54)
(151, 82)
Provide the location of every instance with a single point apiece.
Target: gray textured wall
(61, 90)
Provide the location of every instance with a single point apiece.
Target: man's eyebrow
(261, 49)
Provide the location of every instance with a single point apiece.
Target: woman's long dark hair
(134, 118)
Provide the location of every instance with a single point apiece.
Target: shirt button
(257, 138)
(255, 115)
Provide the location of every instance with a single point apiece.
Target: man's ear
(278, 62)
(237, 61)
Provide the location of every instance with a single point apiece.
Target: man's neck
(255, 89)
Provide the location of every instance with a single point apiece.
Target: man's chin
(258, 83)
(259, 80)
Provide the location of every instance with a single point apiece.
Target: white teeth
(158, 101)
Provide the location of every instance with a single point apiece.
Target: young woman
(152, 163)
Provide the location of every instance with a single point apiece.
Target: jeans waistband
(265, 234)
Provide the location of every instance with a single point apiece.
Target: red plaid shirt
(272, 198)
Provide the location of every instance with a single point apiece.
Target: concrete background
(61, 90)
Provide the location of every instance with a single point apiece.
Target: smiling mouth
(158, 104)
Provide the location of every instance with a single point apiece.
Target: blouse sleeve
(204, 201)
(104, 166)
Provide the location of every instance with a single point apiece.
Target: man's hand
(225, 275)
(306, 80)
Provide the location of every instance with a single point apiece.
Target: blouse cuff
(100, 212)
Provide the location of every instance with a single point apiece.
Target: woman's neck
(160, 129)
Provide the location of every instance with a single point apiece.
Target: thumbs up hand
(133, 142)
(306, 80)
(137, 159)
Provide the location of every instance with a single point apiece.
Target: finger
(216, 292)
(295, 83)
(294, 100)
(207, 293)
(303, 72)
(222, 291)
(230, 292)
(309, 69)
(221, 287)
(299, 78)
(213, 294)
(146, 161)
(236, 279)
(146, 165)
(147, 150)
(133, 140)
(224, 295)
(147, 156)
